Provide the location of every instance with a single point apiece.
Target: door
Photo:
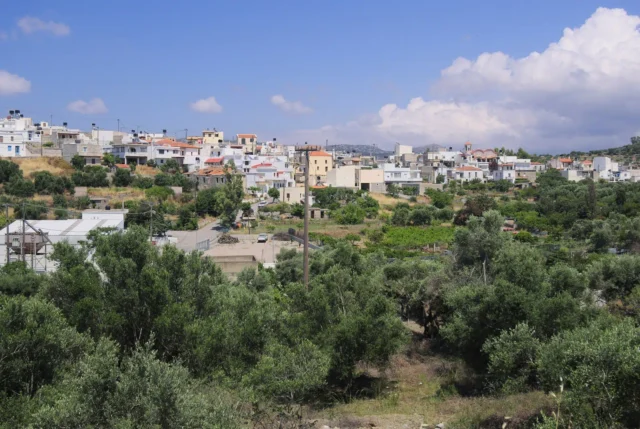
(17, 150)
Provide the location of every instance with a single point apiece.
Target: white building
(345, 176)
(466, 173)
(604, 163)
(266, 172)
(505, 172)
(400, 175)
(39, 235)
(16, 132)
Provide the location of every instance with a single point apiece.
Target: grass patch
(55, 166)
(416, 389)
(412, 237)
(145, 170)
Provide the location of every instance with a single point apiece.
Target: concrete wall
(232, 265)
(343, 177)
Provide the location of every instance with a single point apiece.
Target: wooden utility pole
(7, 235)
(23, 235)
(306, 149)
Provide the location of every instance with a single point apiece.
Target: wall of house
(343, 177)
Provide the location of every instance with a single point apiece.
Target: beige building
(294, 194)
(320, 163)
(371, 180)
(343, 177)
(212, 136)
(248, 142)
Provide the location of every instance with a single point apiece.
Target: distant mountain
(361, 149)
(626, 150)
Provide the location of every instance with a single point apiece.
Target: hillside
(361, 149)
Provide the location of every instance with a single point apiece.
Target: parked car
(262, 203)
(262, 238)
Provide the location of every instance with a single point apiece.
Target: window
(84, 149)
(9, 148)
(93, 160)
(251, 140)
(243, 141)
(326, 162)
(316, 161)
(11, 138)
(161, 151)
(326, 169)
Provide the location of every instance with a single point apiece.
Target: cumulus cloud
(582, 91)
(13, 84)
(94, 106)
(29, 24)
(206, 105)
(289, 106)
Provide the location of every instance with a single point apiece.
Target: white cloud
(206, 105)
(13, 84)
(290, 106)
(94, 106)
(29, 24)
(582, 91)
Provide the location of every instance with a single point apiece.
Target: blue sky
(342, 60)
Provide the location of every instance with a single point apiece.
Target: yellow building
(320, 163)
(212, 136)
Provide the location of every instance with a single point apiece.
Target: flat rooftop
(56, 228)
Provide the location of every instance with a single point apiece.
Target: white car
(262, 203)
(262, 238)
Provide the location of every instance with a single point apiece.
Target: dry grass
(56, 166)
(419, 388)
(117, 196)
(385, 199)
(145, 170)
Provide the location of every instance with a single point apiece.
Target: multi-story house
(505, 172)
(320, 163)
(248, 142)
(212, 137)
(16, 132)
(401, 176)
(466, 173)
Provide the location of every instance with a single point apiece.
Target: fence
(203, 246)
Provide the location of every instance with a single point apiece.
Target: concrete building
(16, 133)
(401, 149)
(400, 175)
(344, 177)
(505, 172)
(212, 177)
(248, 142)
(294, 194)
(466, 173)
(320, 163)
(371, 180)
(92, 153)
(560, 163)
(604, 163)
(213, 137)
(39, 235)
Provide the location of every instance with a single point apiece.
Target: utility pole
(118, 125)
(23, 234)
(6, 206)
(51, 121)
(151, 222)
(186, 135)
(306, 149)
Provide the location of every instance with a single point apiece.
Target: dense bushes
(91, 176)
